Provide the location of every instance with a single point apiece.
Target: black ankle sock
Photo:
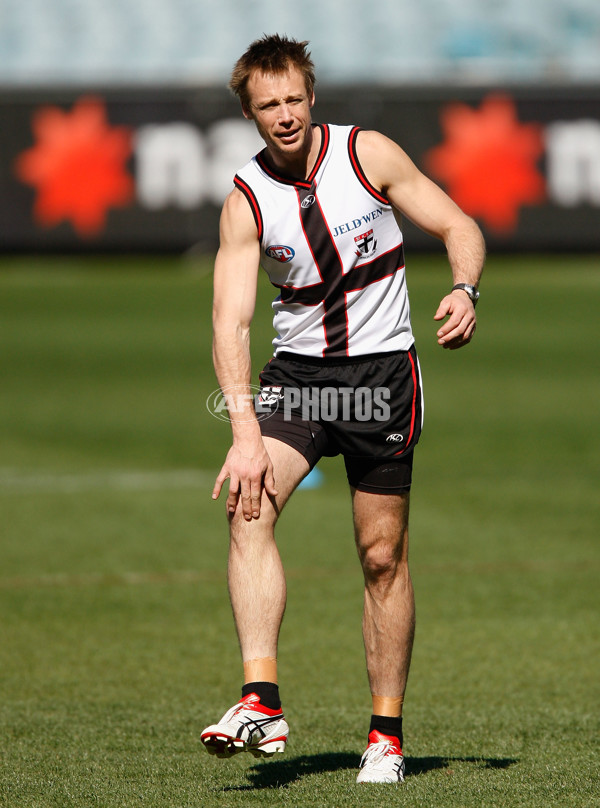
(387, 725)
(268, 693)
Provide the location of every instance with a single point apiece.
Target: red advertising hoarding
(148, 170)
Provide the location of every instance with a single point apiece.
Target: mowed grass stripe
(179, 577)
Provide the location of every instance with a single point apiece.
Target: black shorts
(368, 409)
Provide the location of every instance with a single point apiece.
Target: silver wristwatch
(472, 291)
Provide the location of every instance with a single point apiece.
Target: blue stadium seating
(391, 41)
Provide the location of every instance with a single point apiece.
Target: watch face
(472, 291)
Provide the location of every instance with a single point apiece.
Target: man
(319, 208)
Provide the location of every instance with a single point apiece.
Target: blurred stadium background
(498, 101)
(392, 41)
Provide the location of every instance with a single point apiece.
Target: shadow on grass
(422, 765)
(282, 773)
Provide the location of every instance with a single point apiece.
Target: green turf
(116, 641)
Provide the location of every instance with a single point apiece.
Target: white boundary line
(19, 482)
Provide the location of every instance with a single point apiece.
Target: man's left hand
(458, 330)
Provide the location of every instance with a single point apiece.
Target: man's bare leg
(257, 585)
(381, 526)
(258, 595)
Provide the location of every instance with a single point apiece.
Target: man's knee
(382, 561)
(381, 532)
(240, 527)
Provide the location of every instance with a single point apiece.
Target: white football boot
(383, 761)
(248, 726)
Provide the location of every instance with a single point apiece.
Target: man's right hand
(249, 469)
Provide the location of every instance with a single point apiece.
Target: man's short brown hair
(271, 54)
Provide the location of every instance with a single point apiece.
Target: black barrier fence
(147, 169)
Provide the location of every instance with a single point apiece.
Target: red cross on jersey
(332, 246)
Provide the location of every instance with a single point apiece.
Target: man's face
(280, 106)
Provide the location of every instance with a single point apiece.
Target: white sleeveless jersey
(332, 246)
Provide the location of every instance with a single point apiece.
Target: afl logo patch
(308, 201)
(280, 253)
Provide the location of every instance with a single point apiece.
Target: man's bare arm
(247, 464)
(414, 195)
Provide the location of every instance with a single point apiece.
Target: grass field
(116, 641)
